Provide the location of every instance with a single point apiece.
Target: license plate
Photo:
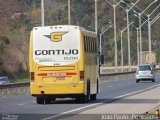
(144, 73)
(60, 78)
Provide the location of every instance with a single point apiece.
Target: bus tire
(87, 97)
(48, 100)
(97, 86)
(94, 97)
(84, 98)
(40, 100)
(53, 99)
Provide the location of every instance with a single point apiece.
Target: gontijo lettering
(57, 52)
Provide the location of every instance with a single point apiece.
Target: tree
(4, 42)
(21, 43)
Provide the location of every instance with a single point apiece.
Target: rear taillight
(81, 75)
(32, 76)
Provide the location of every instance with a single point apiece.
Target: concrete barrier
(113, 70)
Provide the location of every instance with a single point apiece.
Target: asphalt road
(111, 91)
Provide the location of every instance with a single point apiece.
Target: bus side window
(94, 47)
(91, 45)
(88, 41)
(85, 44)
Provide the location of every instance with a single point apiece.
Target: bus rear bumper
(56, 89)
(57, 95)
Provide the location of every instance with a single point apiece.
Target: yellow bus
(63, 63)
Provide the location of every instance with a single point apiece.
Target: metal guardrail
(13, 85)
(117, 76)
(118, 70)
(14, 89)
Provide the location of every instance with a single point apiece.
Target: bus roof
(85, 31)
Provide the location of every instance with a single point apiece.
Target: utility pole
(138, 53)
(115, 38)
(122, 43)
(96, 31)
(42, 12)
(115, 33)
(128, 31)
(149, 31)
(100, 43)
(140, 33)
(69, 12)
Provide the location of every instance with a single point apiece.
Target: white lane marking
(70, 111)
(110, 86)
(105, 101)
(21, 104)
(139, 91)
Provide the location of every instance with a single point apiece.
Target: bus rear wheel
(86, 98)
(83, 98)
(94, 97)
(40, 100)
(48, 101)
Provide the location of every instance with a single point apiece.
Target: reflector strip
(58, 74)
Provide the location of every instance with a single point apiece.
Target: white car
(145, 72)
(4, 80)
